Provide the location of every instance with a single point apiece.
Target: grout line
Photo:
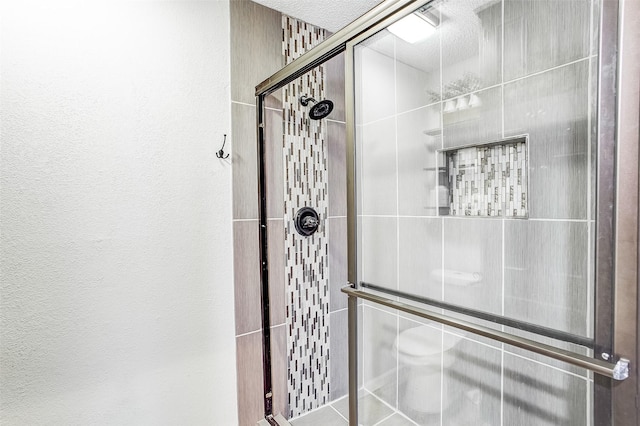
(590, 275)
(397, 176)
(586, 378)
(496, 218)
(336, 121)
(244, 103)
(385, 418)
(502, 385)
(248, 333)
(336, 410)
(504, 267)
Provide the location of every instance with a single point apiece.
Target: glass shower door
(476, 173)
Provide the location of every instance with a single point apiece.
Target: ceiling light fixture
(412, 28)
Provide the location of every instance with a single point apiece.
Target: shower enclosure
(470, 164)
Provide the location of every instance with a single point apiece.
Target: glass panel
(494, 105)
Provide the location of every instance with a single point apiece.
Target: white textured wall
(116, 299)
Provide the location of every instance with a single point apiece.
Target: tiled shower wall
(536, 65)
(257, 40)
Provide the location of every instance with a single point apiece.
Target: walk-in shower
(463, 197)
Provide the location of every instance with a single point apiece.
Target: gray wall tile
(379, 247)
(472, 383)
(246, 271)
(274, 174)
(417, 171)
(380, 368)
(420, 256)
(474, 125)
(339, 361)
(553, 109)
(546, 277)
(337, 168)
(415, 88)
(249, 372)
(378, 187)
(334, 82)
(535, 394)
(245, 160)
(471, 42)
(473, 263)
(337, 262)
(256, 43)
(279, 367)
(376, 96)
(275, 236)
(544, 34)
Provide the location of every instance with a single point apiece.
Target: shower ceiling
(329, 14)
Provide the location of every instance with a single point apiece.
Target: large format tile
(337, 168)
(415, 87)
(370, 409)
(379, 245)
(246, 272)
(418, 139)
(339, 355)
(546, 277)
(472, 383)
(337, 262)
(375, 76)
(396, 420)
(245, 161)
(249, 371)
(277, 284)
(535, 394)
(552, 108)
(543, 34)
(322, 416)
(471, 44)
(380, 329)
(274, 173)
(256, 38)
(420, 256)
(472, 275)
(279, 369)
(473, 125)
(378, 187)
(334, 82)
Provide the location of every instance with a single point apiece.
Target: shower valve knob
(307, 221)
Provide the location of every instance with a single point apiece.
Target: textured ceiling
(328, 14)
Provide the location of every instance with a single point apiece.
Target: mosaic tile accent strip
(488, 180)
(306, 185)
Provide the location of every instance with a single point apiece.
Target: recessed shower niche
(485, 180)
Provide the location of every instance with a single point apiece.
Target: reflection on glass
(486, 71)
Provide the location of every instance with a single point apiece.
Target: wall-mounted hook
(221, 154)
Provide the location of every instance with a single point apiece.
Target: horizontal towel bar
(498, 319)
(617, 371)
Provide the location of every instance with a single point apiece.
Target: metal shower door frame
(616, 306)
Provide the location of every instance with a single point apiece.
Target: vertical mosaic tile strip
(488, 180)
(307, 285)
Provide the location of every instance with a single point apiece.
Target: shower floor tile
(373, 412)
(323, 416)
